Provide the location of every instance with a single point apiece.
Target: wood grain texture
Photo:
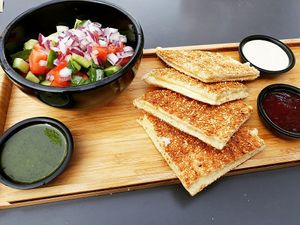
(113, 153)
(5, 91)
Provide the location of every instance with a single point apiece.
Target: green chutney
(33, 153)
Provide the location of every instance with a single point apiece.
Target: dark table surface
(262, 198)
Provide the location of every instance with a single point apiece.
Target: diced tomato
(37, 47)
(83, 75)
(55, 72)
(61, 84)
(35, 57)
(114, 49)
(124, 61)
(102, 52)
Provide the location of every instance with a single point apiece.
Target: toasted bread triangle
(213, 125)
(207, 66)
(195, 163)
(213, 93)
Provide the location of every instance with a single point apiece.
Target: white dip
(266, 55)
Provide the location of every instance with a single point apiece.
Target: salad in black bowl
(79, 57)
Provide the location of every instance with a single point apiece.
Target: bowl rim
(284, 47)
(263, 115)
(29, 122)
(12, 74)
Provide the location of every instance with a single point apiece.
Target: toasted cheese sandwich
(195, 163)
(213, 93)
(207, 66)
(213, 125)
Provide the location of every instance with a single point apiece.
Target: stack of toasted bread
(196, 120)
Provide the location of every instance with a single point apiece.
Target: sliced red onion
(42, 62)
(70, 42)
(65, 39)
(113, 30)
(97, 24)
(60, 57)
(87, 56)
(128, 49)
(78, 33)
(91, 27)
(61, 35)
(114, 36)
(123, 55)
(68, 58)
(49, 77)
(103, 43)
(81, 41)
(89, 49)
(61, 28)
(77, 51)
(92, 35)
(75, 44)
(47, 44)
(56, 62)
(122, 38)
(112, 58)
(65, 74)
(54, 49)
(41, 39)
(84, 42)
(94, 58)
(89, 39)
(62, 48)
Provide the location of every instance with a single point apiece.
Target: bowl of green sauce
(33, 152)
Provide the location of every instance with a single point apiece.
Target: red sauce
(283, 108)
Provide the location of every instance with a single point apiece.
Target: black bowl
(29, 122)
(44, 19)
(279, 131)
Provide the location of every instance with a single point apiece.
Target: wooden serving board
(113, 153)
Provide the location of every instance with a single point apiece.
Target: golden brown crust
(207, 66)
(170, 74)
(212, 93)
(219, 122)
(191, 158)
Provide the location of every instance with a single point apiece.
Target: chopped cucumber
(74, 66)
(51, 57)
(29, 44)
(46, 82)
(31, 77)
(111, 70)
(95, 74)
(53, 37)
(78, 80)
(83, 81)
(42, 77)
(75, 80)
(21, 65)
(81, 60)
(79, 23)
(21, 54)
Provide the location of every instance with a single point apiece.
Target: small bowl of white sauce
(267, 54)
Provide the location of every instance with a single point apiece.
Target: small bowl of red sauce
(279, 107)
